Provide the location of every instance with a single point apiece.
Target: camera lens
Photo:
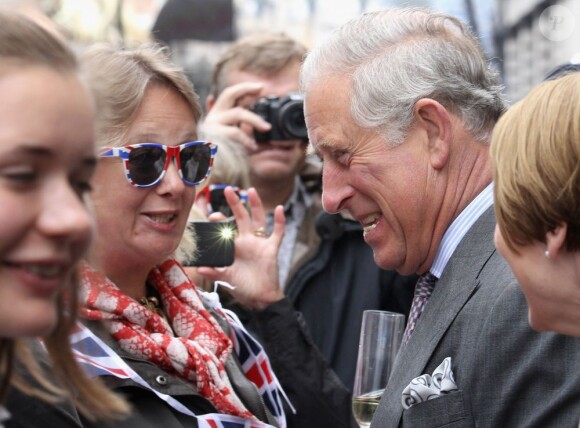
(292, 119)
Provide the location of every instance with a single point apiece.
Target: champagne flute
(380, 339)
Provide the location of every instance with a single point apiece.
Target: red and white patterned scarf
(196, 352)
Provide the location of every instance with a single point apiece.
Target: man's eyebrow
(325, 146)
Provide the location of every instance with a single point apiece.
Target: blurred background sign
(195, 20)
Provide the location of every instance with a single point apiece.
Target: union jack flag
(98, 359)
(256, 366)
(92, 357)
(215, 420)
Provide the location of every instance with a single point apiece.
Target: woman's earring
(547, 254)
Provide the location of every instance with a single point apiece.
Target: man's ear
(436, 121)
(556, 239)
(209, 102)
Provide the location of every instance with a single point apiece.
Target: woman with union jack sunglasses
(178, 357)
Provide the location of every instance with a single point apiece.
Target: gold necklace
(152, 303)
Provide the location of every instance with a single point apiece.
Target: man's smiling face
(382, 186)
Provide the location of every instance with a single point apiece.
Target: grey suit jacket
(507, 374)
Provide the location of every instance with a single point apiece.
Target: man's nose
(335, 190)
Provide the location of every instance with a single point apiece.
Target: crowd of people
(323, 257)
(424, 194)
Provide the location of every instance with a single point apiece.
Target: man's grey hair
(398, 56)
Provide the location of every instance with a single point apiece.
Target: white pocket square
(427, 387)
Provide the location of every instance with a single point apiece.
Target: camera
(215, 243)
(286, 114)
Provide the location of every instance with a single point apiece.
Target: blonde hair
(26, 44)
(230, 166)
(265, 54)
(119, 78)
(536, 153)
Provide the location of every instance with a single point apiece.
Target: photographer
(254, 68)
(326, 269)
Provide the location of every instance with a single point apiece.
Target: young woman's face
(47, 158)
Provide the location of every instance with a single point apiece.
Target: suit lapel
(452, 291)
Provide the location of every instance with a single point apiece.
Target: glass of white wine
(380, 338)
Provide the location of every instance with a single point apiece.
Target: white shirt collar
(460, 226)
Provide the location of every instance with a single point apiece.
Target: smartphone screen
(215, 243)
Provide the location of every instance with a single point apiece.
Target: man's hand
(226, 117)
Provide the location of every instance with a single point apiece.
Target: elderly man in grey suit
(400, 105)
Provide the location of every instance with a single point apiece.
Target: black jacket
(338, 283)
(30, 412)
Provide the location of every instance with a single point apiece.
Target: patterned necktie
(423, 290)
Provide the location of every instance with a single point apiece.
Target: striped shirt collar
(460, 226)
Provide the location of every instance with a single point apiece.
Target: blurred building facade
(523, 38)
(210, 24)
(532, 37)
(310, 20)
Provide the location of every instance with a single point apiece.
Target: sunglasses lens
(195, 161)
(146, 164)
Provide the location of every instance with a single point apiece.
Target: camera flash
(227, 233)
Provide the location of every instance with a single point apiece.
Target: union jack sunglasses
(216, 200)
(146, 164)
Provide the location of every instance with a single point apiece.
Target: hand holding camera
(254, 271)
(269, 118)
(285, 114)
(225, 115)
